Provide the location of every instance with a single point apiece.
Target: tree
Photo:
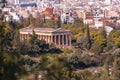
(114, 37)
(98, 39)
(116, 52)
(1, 48)
(16, 41)
(106, 70)
(116, 70)
(87, 38)
(84, 75)
(32, 22)
(96, 48)
(7, 60)
(81, 42)
(52, 70)
(2, 31)
(9, 67)
(44, 19)
(109, 46)
(26, 22)
(36, 45)
(33, 39)
(59, 21)
(43, 45)
(84, 41)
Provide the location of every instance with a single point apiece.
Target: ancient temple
(59, 37)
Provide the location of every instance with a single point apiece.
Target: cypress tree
(32, 22)
(2, 31)
(44, 20)
(87, 37)
(59, 22)
(2, 5)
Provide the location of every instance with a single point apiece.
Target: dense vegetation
(95, 56)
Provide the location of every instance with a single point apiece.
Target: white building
(12, 17)
(16, 2)
(108, 1)
(108, 29)
(65, 17)
(98, 24)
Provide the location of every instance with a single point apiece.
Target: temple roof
(43, 30)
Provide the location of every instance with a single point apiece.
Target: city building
(59, 37)
(108, 1)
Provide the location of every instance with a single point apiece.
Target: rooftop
(42, 30)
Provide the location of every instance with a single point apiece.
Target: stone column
(23, 36)
(20, 36)
(47, 38)
(27, 36)
(63, 40)
(43, 37)
(55, 39)
(66, 36)
(51, 40)
(59, 40)
(39, 37)
(69, 40)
